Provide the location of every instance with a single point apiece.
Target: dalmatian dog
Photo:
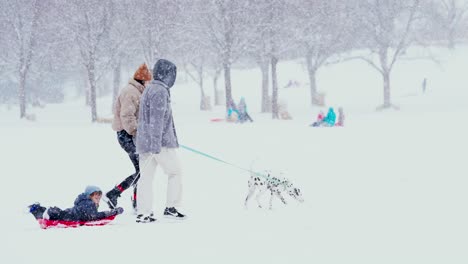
(275, 185)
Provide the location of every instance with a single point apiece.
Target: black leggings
(127, 143)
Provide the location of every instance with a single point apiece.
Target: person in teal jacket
(232, 112)
(330, 119)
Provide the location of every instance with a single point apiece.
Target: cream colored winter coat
(126, 108)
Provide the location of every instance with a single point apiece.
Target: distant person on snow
(125, 123)
(341, 117)
(85, 208)
(232, 112)
(243, 114)
(319, 120)
(424, 85)
(283, 110)
(330, 119)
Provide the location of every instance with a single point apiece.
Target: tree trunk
(215, 87)
(92, 90)
(88, 93)
(117, 75)
(313, 87)
(386, 79)
(312, 71)
(22, 94)
(202, 91)
(274, 97)
(93, 103)
(227, 83)
(26, 56)
(451, 38)
(265, 96)
(203, 105)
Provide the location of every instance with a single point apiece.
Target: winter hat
(90, 189)
(143, 73)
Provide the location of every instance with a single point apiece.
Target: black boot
(37, 210)
(112, 196)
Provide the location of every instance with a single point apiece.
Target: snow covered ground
(389, 187)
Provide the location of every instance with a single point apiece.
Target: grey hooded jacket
(155, 122)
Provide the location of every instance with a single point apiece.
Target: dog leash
(222, 161)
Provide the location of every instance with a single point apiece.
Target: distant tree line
(45, 44)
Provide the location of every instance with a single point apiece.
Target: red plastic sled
(217, 119)
(46, 223)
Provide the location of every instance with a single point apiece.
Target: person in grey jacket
(156, 144)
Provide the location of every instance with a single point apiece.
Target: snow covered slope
(389, 187)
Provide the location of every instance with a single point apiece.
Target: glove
(117, 211)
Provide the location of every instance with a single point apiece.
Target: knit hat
(91, 189)
(143, 73)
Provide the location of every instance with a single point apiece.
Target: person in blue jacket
(85, 208)
(330, 118)
(243, 114)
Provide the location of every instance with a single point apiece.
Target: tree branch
(370, 62)
(401, 44)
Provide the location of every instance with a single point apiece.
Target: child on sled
(85, 208)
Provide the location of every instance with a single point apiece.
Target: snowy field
(389, 187)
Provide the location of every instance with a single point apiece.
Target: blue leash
(222, 161)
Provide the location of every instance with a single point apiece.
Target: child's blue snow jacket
(84, 209)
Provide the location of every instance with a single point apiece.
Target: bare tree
(223, 27)
(198, 56)
(124, 36)
(259, 46)
(325, 29)
(388, 27)
(23, 26)
(216, 93)
(156, 25)
(198, 65)
(280, 40)
(90, 22)
(271, 37)
(448, 19)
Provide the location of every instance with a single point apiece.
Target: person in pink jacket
(319, 120)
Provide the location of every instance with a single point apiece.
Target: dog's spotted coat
(276, 186)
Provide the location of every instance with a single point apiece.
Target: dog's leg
(271, 200)
(278, 193)
(259, 194)
(249, 195)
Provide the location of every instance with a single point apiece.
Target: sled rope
(222, 161)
